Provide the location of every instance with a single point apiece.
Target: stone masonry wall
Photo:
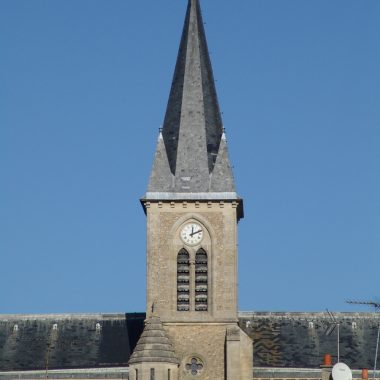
(205, 342)
(164, 222)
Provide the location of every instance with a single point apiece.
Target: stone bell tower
(192, 212)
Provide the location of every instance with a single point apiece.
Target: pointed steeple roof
(161, 176)
(153, 345)
(192, 133)
(221, 177)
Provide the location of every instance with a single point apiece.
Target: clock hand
(196, 232)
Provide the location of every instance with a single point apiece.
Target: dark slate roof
(222, 177)
(298, 340)
(287, 340)
(191, 141)
(154, 344)
(116, 373)
(29, 342)
(161, 178)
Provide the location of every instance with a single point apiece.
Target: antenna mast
(333, 323)
(376, 306)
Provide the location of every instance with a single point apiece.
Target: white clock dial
(192, 234)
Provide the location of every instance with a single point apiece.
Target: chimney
(326, 367)
(327, 361)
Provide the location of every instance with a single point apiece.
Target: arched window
(201, 281)
(183, 281)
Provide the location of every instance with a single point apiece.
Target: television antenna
(330, 329)
(376, 306)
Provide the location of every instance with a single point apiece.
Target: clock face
(192, 234)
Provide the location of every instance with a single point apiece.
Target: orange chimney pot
(327, 360)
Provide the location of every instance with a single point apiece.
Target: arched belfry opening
(201, 281)
(192, 280)
(183, 280)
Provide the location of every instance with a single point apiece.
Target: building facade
(191, 328)
(192, 211)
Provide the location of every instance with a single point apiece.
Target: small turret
(153, 356)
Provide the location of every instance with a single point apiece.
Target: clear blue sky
(83, 91)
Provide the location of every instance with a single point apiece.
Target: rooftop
(280, 340)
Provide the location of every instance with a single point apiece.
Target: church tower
(192, 212)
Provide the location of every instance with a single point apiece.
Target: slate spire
(192, 131)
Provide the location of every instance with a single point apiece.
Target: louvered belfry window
(201, 281)
(183, 281)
